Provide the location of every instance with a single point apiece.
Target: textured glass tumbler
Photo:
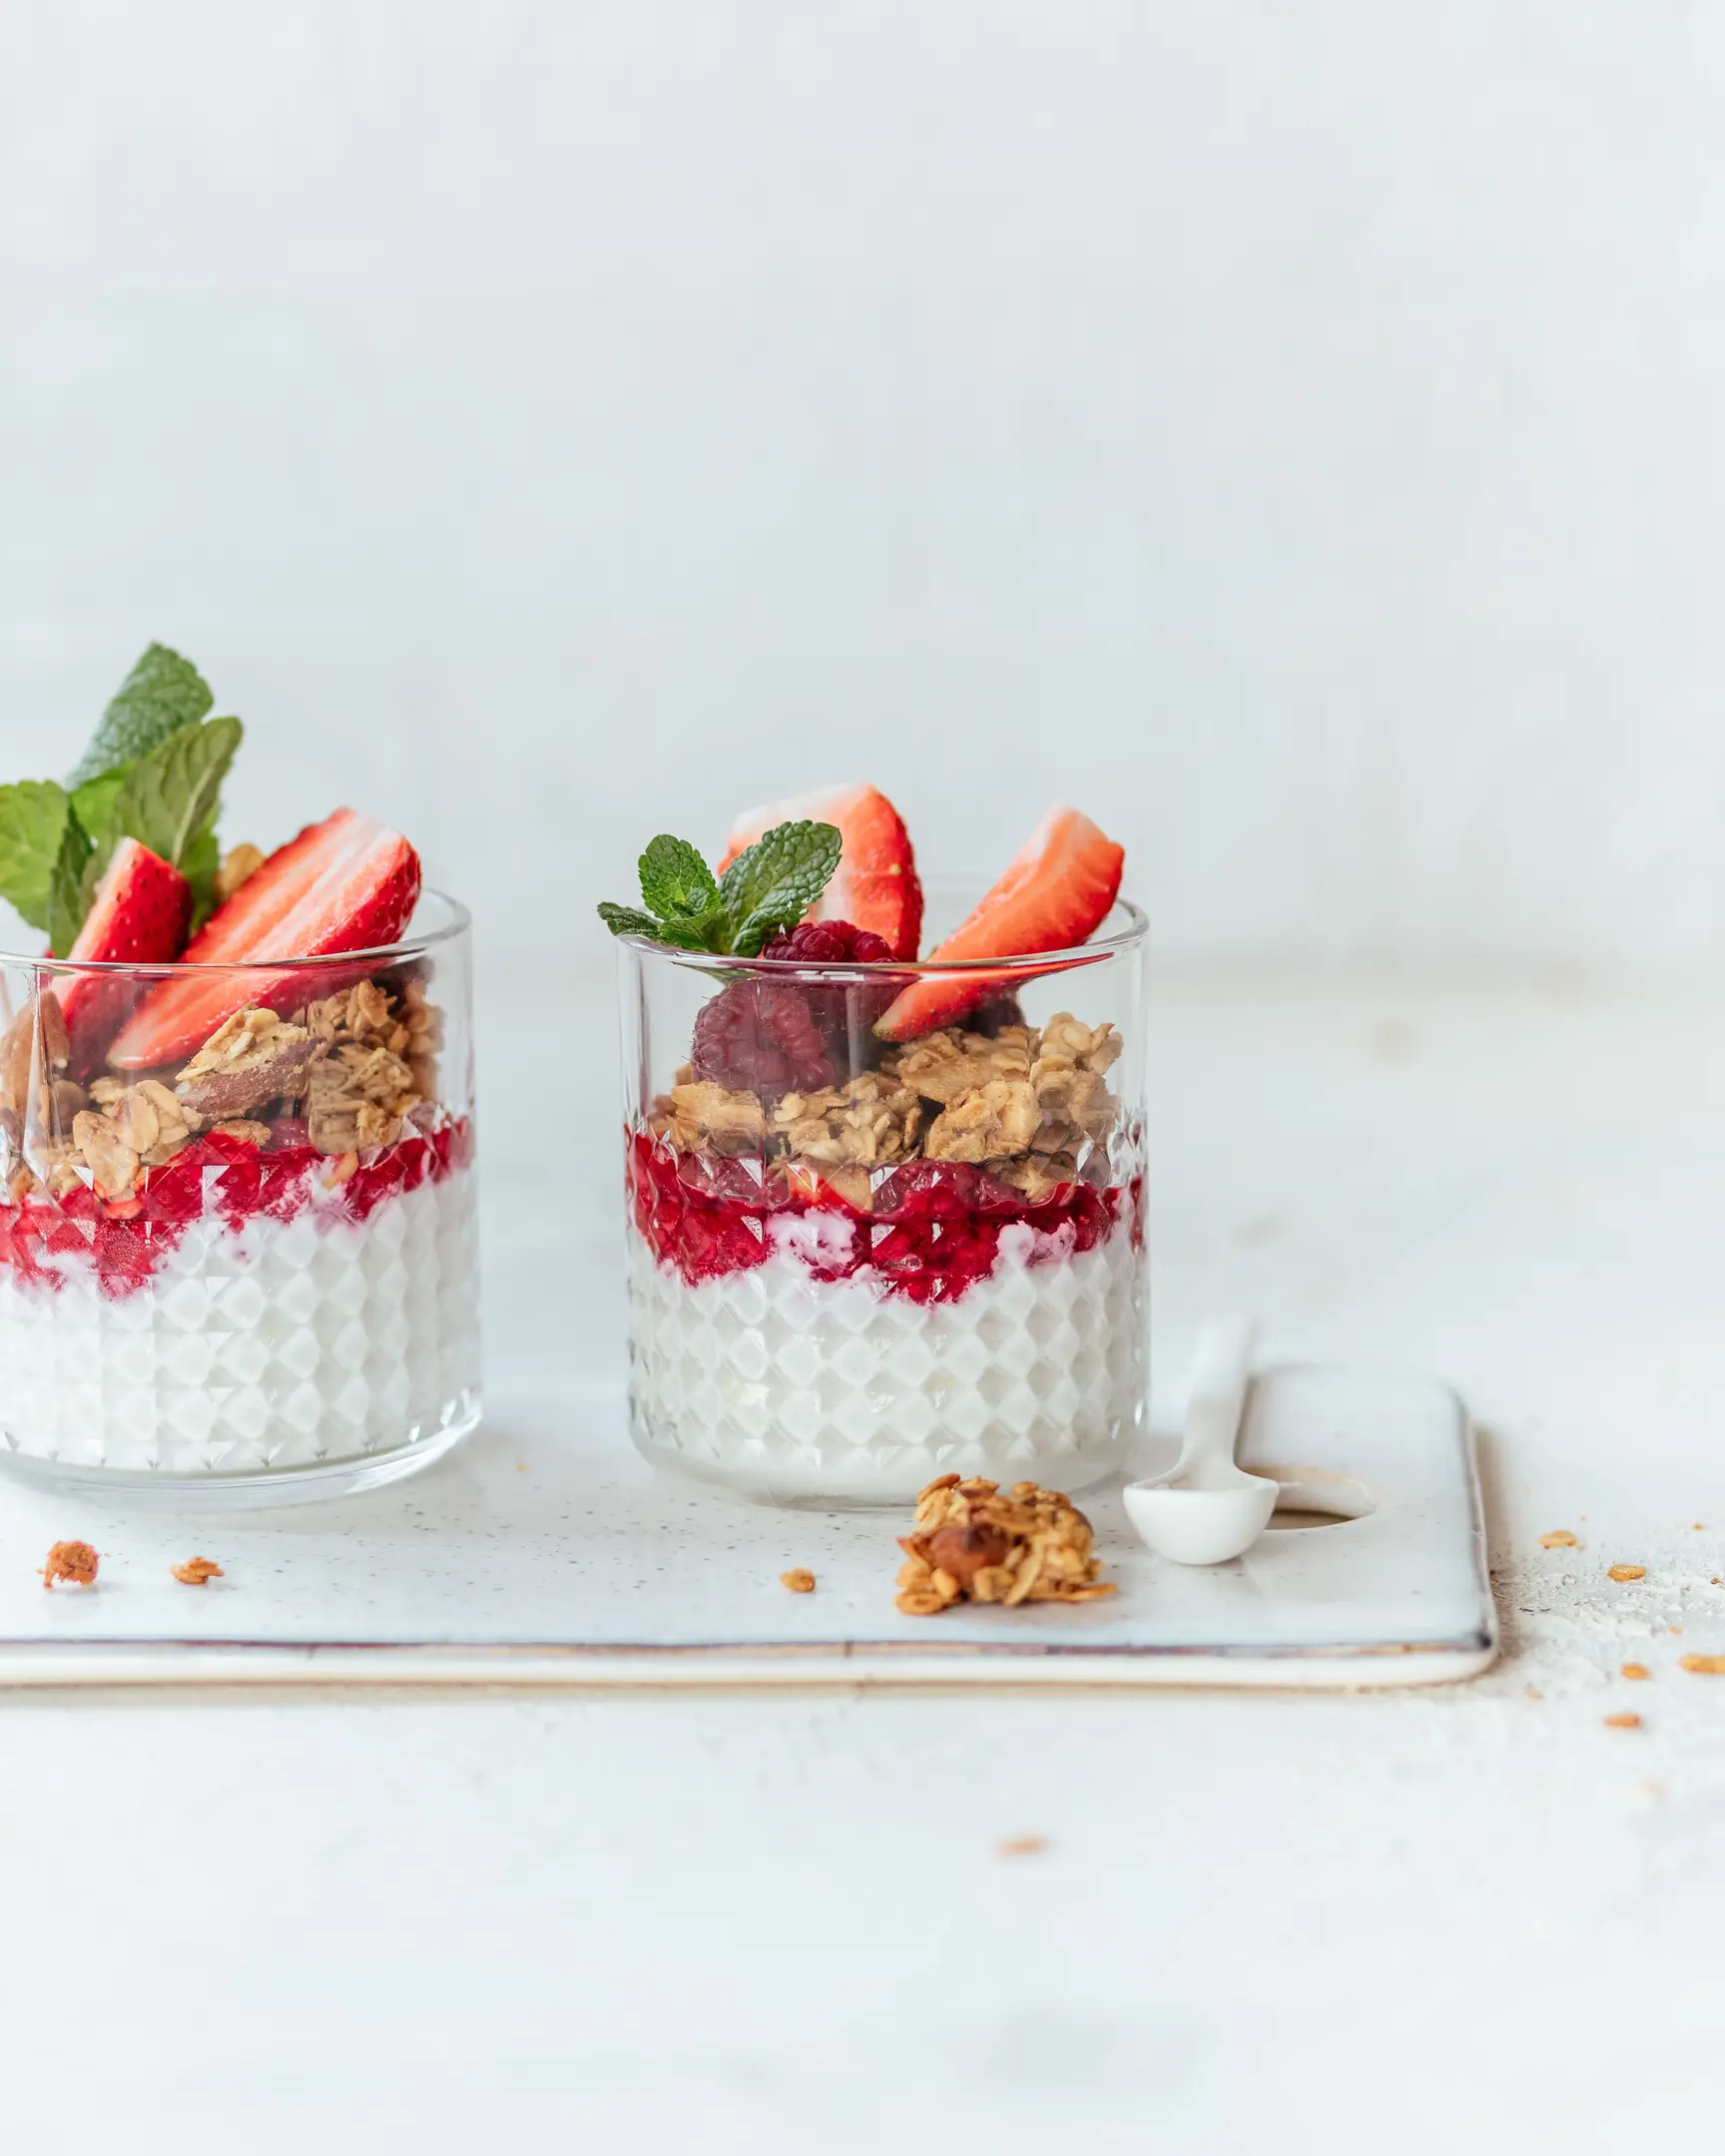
(239, 1257)
(885, 1222)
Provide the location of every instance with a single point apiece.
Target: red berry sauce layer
(933, 1229)
(214, 1177)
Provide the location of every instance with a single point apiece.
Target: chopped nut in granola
(238, 865)
(252, 1057)
(974, 1542)
(197, 1571)
(799, 1579)
(111, 1161)
(74, 1562)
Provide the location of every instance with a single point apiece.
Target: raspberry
(845, 1011)
(759, 1036)
(829, 942)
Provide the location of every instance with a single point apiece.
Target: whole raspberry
(759, 1036)
(829, 942)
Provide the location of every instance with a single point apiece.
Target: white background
(1292, 432)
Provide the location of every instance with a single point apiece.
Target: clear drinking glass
(857, 1265)
(238, 1246)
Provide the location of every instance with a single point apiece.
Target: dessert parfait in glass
(237, 1251)
(885, 1213)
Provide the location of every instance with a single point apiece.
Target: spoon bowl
(1206, 1509)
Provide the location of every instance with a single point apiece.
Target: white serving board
(545, 1552)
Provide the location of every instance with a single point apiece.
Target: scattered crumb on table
(1626, 1571)
(1635, 1669)
(197, 1571)
(1023, 1844)
(799, 1579)
(1703, 1665)
(74, 1562)
(1623, 1721)
(1558, 1538)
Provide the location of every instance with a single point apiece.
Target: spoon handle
(1218, 1391)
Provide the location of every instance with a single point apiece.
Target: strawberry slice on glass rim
(875, 885)
(345, 884)
(140, 912)
(1055, 894)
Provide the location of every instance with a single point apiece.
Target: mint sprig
(153, 772)
(769, 887)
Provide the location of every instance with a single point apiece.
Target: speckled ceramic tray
(545, 1553)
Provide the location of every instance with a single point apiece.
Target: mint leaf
(34, 816)
(198, 864)
(162, 694)
(70, 891)
(629, 920)
(93, 803)
(775, 881)
(675, 882)
(169, 796)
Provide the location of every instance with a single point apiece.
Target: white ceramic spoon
(1206, 1509)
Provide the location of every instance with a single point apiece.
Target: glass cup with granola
(886, 1213)
(237, 1251)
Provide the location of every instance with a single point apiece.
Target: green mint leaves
(34, 818)
(162, 694)
(769, 887)
(153, 772)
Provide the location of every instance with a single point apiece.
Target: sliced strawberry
(347, 883)
(875, 884)
(1054, 894)
(140, 912)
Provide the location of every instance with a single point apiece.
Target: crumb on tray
(799, 1579)
(197, 1571)
(74, 1562)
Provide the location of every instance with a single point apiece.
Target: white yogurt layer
(781, 1386)
(273, 1345)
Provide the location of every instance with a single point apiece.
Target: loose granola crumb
(973, 1542)
(1626, 1571)
(1022, 1844)
(1703, 1665)
(799, 1579)
(1623, 1721)
(74, 1562)
(1558, 1538)
(197, 1571)
(1635, 1669)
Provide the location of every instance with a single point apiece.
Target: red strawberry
(138, 912)
(875, 883)
(347, 883)
(1055, 894)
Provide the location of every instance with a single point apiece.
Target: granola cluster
(356, 1066)
(1028, 1103)
(973, 1542)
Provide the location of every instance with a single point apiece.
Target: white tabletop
(1380, 1922)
